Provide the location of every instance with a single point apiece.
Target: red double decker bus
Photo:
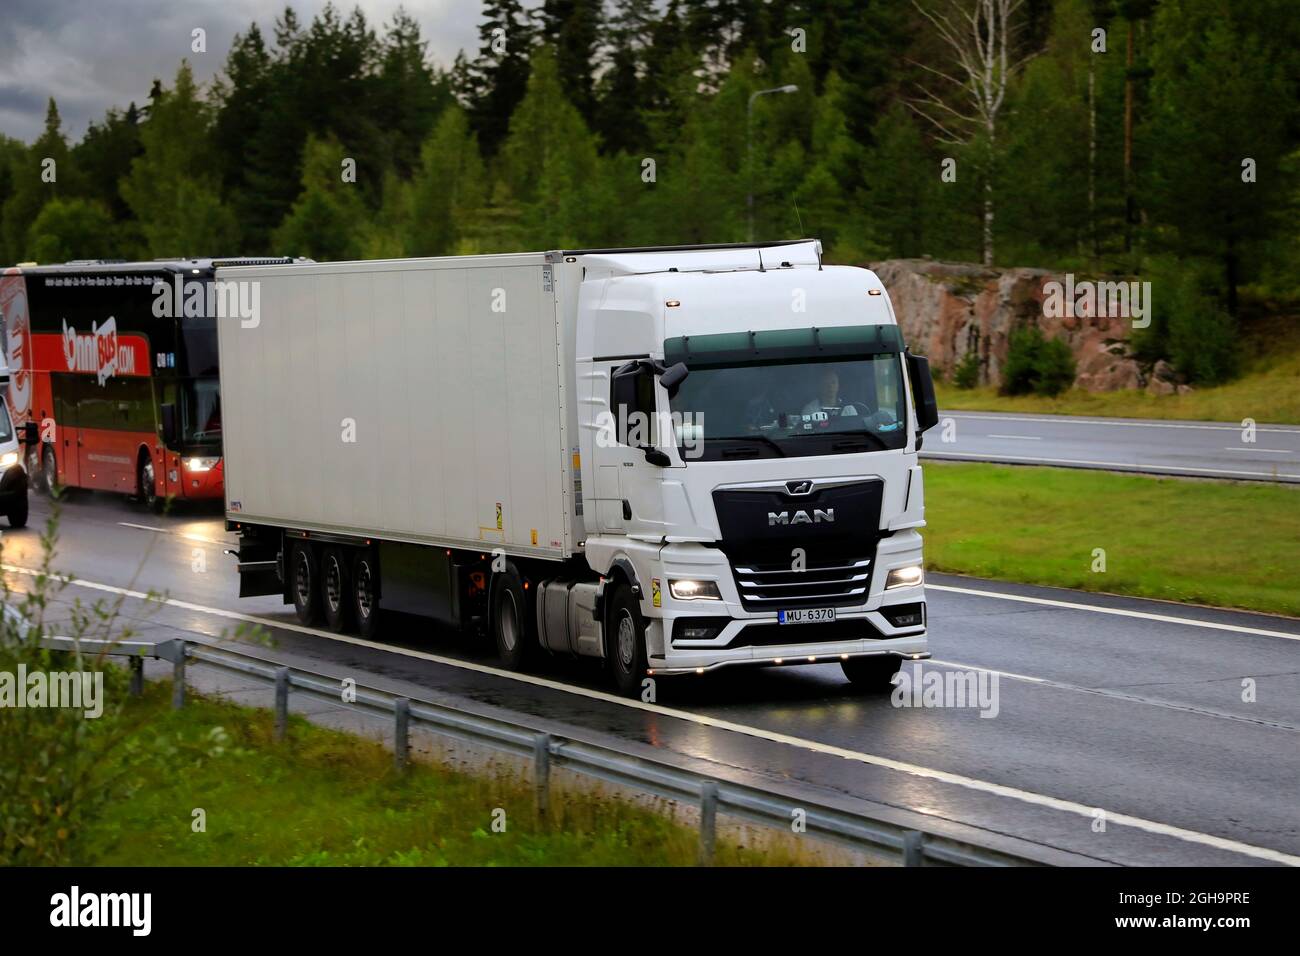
(116, 363)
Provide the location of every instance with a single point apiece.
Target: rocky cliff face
(947, 309)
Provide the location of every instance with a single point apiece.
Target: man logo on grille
(800, 517)
(799, 487)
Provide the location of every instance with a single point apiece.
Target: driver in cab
(828, 399)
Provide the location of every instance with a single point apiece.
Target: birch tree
(979, 35)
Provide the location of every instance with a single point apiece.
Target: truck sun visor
(780, 345)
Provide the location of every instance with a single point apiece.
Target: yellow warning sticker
(655, 597)
(498, 516)
(534, 537)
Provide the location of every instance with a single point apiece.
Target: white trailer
(450, 437)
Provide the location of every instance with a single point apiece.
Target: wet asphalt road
(1113, 709)
(1208, 449)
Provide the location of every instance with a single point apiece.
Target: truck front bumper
(705, 635)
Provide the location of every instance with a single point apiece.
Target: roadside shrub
(51, 758)
(1189, 327)
(1036, 364)
(967, 372)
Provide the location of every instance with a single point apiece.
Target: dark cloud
(96, 54)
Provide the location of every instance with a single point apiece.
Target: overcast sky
(93, 54)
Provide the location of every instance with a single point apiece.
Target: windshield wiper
(760, 439)
(848, 441)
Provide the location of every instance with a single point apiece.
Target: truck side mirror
(31, 433)
(631, 394)
(673, 377)
(927, 408)
(168, 412)
(623, 396)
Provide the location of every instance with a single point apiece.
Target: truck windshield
(791, 408)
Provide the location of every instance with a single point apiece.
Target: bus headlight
(905, 577)
(694, 590)
(8, 459)
(201, 464)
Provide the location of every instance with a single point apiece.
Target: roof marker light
(873, 292)
(672, 303)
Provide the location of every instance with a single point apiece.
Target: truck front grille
(774, 587)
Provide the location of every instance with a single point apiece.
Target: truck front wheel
(513, 623)
(18, 512)
(625, 641)
(872, 674)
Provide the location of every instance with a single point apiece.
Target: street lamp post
(749, 148)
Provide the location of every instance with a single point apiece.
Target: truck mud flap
(259, 566)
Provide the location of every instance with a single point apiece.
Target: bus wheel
(625, 641)
(364, 586)
(513, 621)
(18, 513)
(50, 473)
(336, 589)
(34, 470)
(303, 575)
(147, 484)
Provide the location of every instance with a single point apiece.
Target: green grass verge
(1230, 544)
(329, 798)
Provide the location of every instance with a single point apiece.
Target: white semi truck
(672, 459)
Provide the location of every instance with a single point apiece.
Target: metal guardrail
(548, 750)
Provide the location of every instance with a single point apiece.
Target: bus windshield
(200, 411)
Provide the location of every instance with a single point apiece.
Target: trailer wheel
(872, 674)
(625, 641)
(304, 572)
(364, 587)
(336, 589)
(513, 622)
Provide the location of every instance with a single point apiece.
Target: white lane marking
(1123, 466)
(1120, 612)
(1120, 695)
(1067, 420)
(179, 534)
(1265, 451)
(1021, 437)
(888, 763)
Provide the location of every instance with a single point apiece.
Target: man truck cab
(769, 510)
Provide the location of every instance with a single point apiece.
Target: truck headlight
(201, 464)
(694, 590)
(8, 459)
(905, 577)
